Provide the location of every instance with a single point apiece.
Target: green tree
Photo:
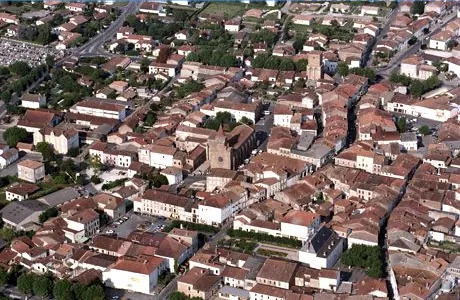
(13, 135)
(192, 56)
(401, 124)
(367, 257)
(180, 15)
(46, 150)
(224, 117)
(4, 277)
(44, 34)
(298, 44)
(20, 68)
(42, 286)
(47, 214)
(260, 60)
(273, 62)
(95, 163)
(418, 7)
(431, 83)
(342, 69)
(63, 290)
(424, 129)
(245, 120)
(227, 61)
(301, 65)
(287, 65)
(26, 283)
(94, 292)
(181, 296)
(49, 60)
(8, 234)
(412, 40)
(150, 118)
(145, 65)
(416, 88)
(159, 180)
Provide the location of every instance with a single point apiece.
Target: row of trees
(153, 27)
(45, 286)
(416, 87)
(213, 58)
(191, 226)
(343, 70)
(278, 63)
(26, 76)
(367, 257)
(225, 119)
(263, 237)
(187, 88)
(182, 296)
(40, 34)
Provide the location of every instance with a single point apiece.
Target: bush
(95, 179)
(47, 214)
(266, 238)
(110, 185)
(425, 130)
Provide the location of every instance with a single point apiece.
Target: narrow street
(383, 236)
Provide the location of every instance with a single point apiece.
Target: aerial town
(251, 150)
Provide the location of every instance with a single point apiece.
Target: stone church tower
(219, 152)
(315, 65)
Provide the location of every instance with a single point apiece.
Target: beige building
(200, 283)
(61, 140)
(82, 225)
(230, 151)
(315, 65)
(30, 170)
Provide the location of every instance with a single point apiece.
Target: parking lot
(11, 51)
(135, 222)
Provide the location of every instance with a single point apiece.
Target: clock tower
(219, 152)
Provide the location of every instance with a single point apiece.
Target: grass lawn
(229, 9)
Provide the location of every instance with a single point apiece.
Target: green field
(229, 9)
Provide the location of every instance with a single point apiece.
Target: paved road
(386, 26)
(396, 60)
(95, 46)
(263, 129)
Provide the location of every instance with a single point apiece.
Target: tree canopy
(367, 257)
(13, 135)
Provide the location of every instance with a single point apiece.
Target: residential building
(62, 140)
(138, 275)
(31, 171)
(33, 100)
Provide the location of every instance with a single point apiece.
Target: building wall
(10, 196)
(438, 45)
(298, 231)
(125, 280)
(282, 120)
(31, 175)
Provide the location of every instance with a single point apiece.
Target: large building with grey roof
(23, 215)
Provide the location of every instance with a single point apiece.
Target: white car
(110, 231)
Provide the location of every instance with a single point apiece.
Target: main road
(396, 60)
(95, 46)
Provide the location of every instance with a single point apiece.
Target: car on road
(110, 231)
